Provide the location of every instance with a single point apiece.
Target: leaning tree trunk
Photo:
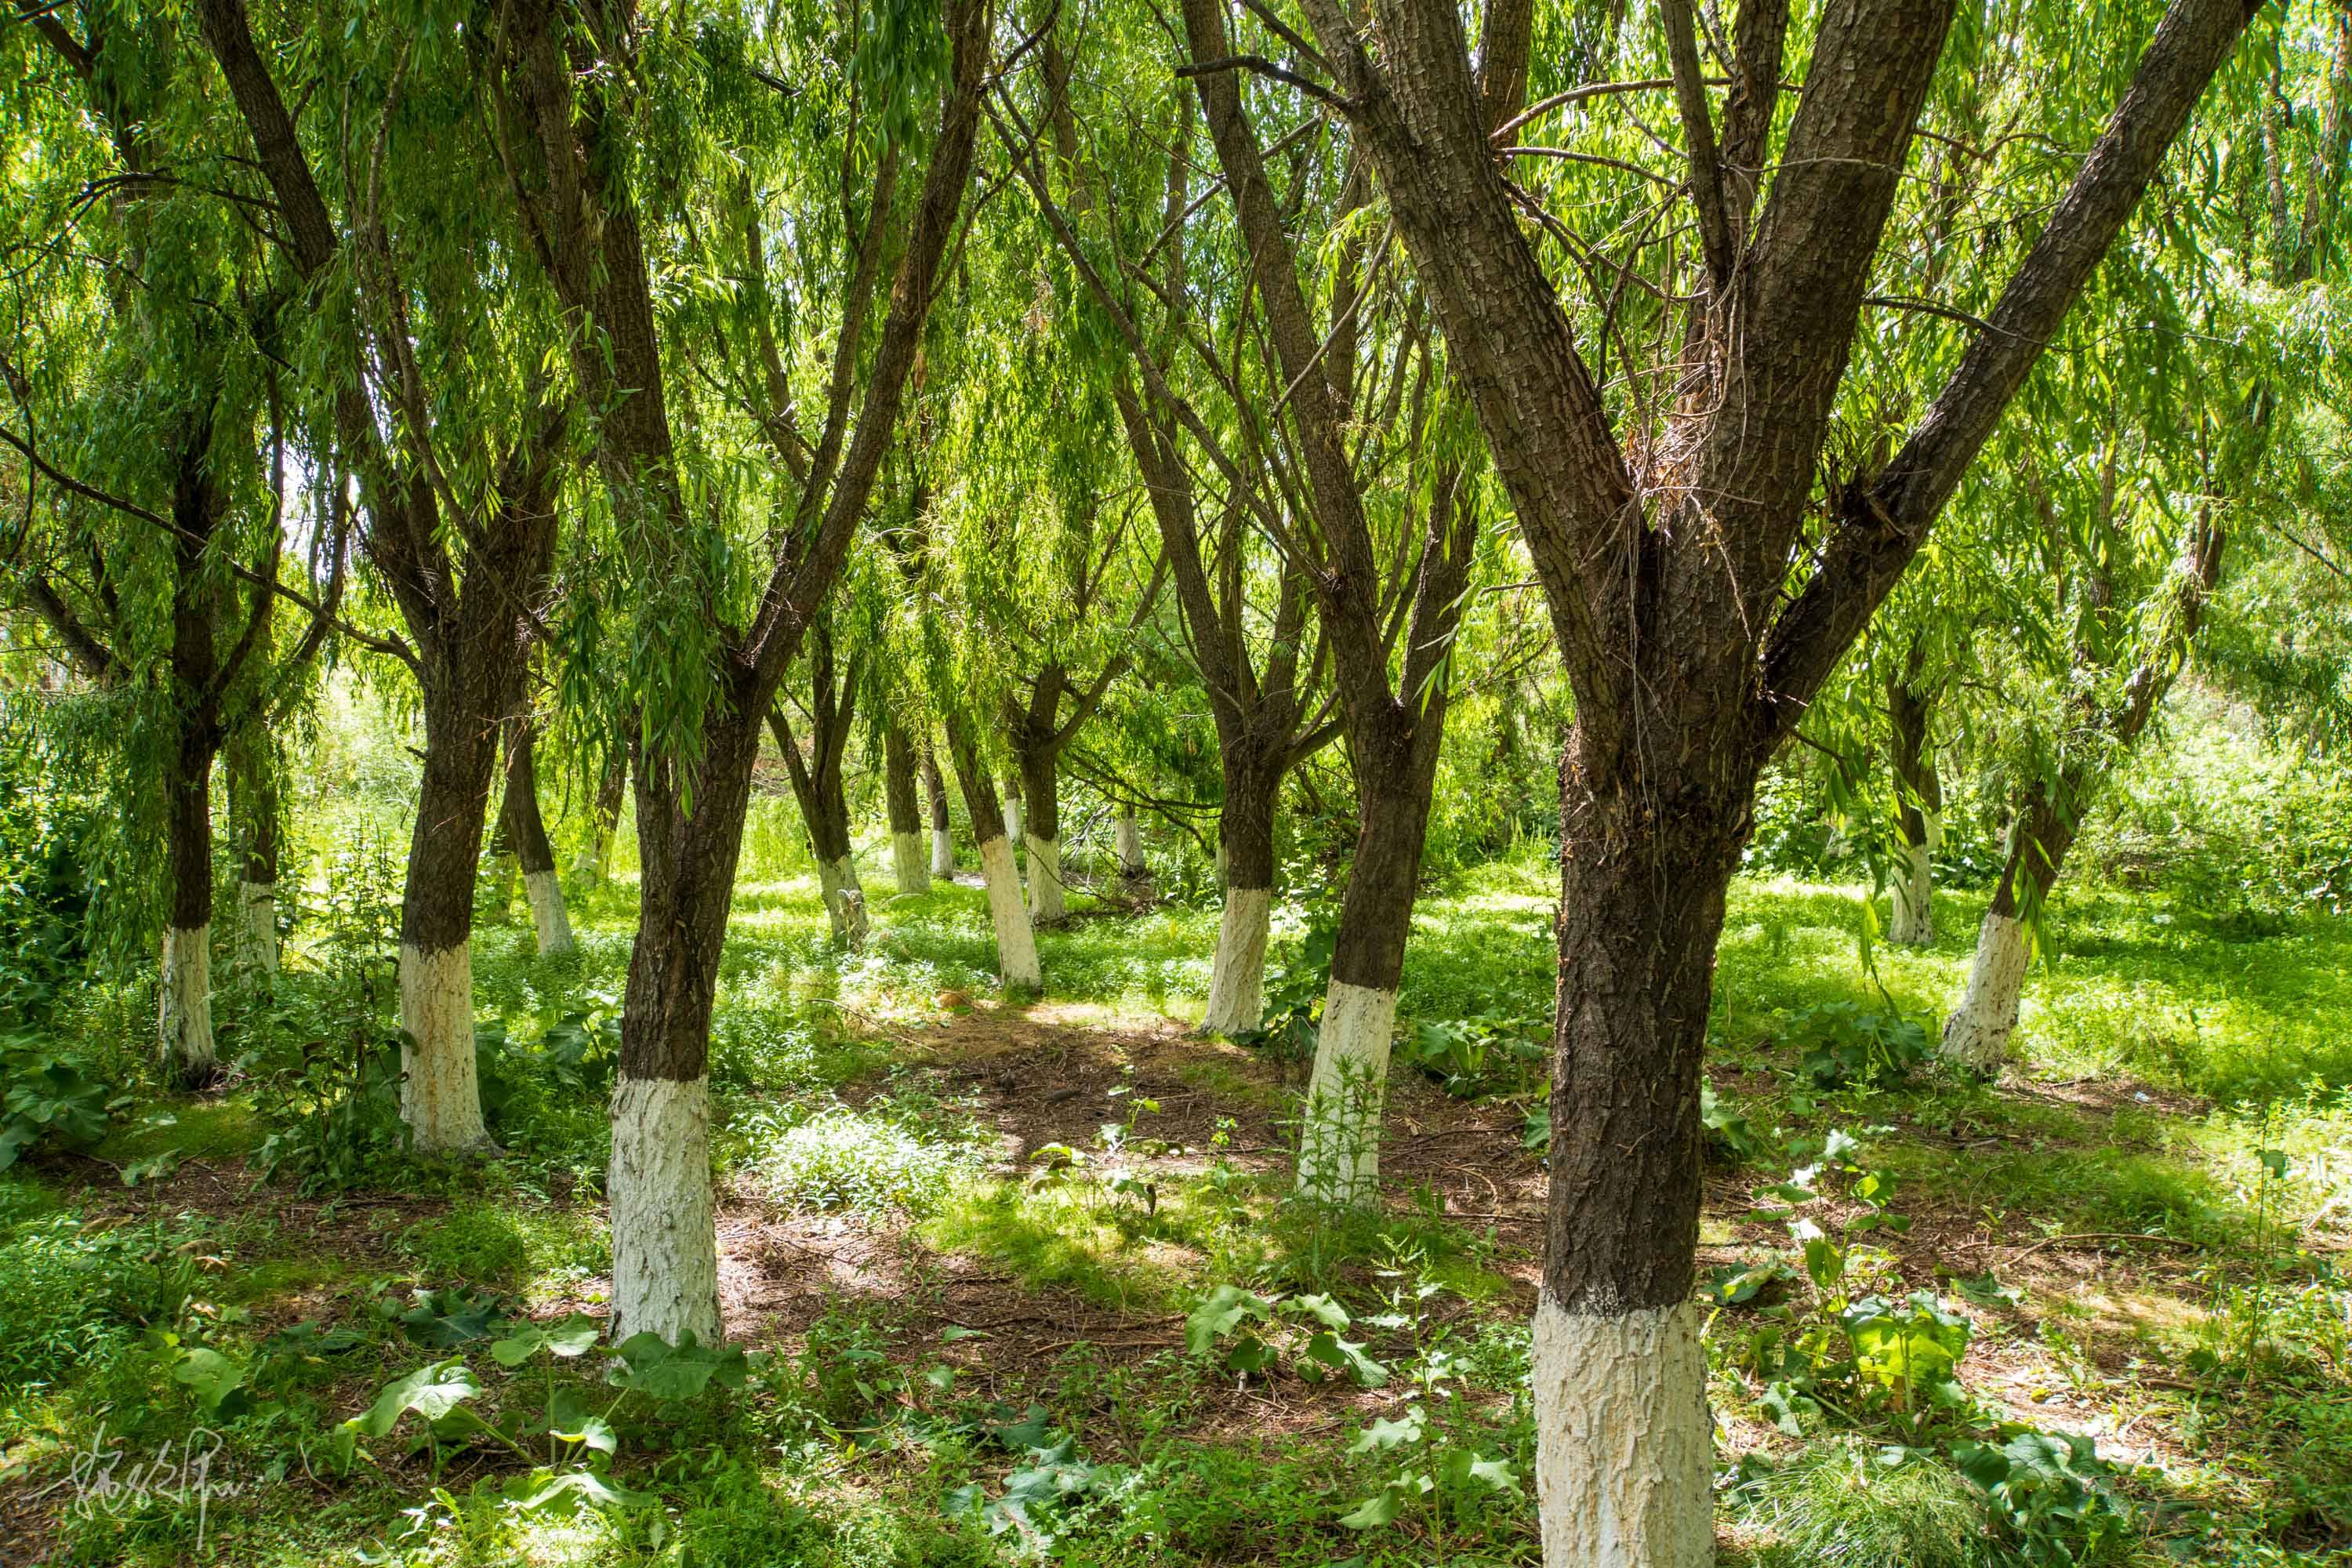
(185, 1007)
(1339, 1127)
(906, 863)
(665, 1249)
(1918, 816)
(1976, 1036)
(1623, 1439)
(1040, 794)
(935, 789)
(253, 789)
(1246, 845)
(527, 831)
(1016, 939)
(824, 810)
(595, 862)
(505, 870)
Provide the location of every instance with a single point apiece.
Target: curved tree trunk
(1016, 939)
(935, 789)
(912, 871)
(527, 831)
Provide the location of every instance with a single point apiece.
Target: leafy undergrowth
(1005, 1283)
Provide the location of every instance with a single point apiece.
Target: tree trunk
(912, 872)
(1624, 1437)
(942, 833)
(1976, 1036)
(527, 831)
(1339, 1130)
(595, 861)
(505, 873)
(1012, 814)
(1246, 842)
(440, 1096)
(1016, 939)
(1920, 808)
(665, 1249)
(253, 789)
(184, 1010)
(824, 809)
(1040, 794)
(1131, 864)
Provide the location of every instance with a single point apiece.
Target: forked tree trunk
(912, 872)
(935, 790)
(1016, 939)
(595, 862)
(1245, 845)
(1918, 816)
(665, 1250)
(527, 831)
(185, 1006)
(1040, 794)
(253, 789)
(824, 809)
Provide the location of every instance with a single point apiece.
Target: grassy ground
(966, 1238)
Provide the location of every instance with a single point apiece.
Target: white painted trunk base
(1237, 983)
(1016, 942)
(1046, 902)
(1339, 1129)
(906, 865)
(256, 905)
(440, 1096)
(1130, 844)
(943, 854)
(1976, 1035)
(1013, 821)
(595, 857)
(547, 913)
(1624, 1447)
(184, 1015)
(845, 900)
(665, 1246)
(1914, 924)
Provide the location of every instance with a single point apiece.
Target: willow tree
(153, 531)
(829, 717)
(427, 369)
(1707, 555)
(526, 832)
(1340, 444)
(602, 116)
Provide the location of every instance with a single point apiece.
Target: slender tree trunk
(665, 1249)
(1016, 939)
(184, 1012)
(253, 790)
(1245, 843)
(1918, 815)
(595, 862)
(1340, 1131)
(824, 809)
(506, 872)
(912, 872)
(1041, 794)
(935, 790)
(1976, 1036)
(527, 831)
(1013, 813)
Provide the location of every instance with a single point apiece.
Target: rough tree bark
(1689, 652)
